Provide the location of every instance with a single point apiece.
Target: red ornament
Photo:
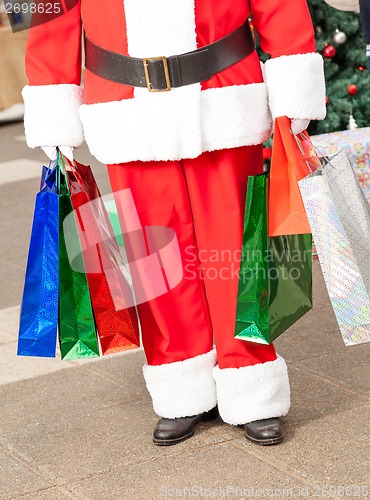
(360, 68)
(326, 100)
(267, 153)
(329, 52)
(352, 89)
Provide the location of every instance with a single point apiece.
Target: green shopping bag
(77, 330)
(275, 281)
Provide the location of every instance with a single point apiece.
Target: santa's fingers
(51, 152)
(297, 125)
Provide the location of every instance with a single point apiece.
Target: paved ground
(83, 430)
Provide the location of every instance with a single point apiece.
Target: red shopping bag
(285, 206)
(117, 326)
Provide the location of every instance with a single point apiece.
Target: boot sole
(207, 417)
(170, 442)
(265, 442)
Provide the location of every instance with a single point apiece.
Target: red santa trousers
(203, 201)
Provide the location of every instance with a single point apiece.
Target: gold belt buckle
(166, 73)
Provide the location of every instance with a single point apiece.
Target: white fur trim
(183, 388)
(235, 116)
(51, 115)
(163, 126)
(160, 27)
(253, 392)
(296, 86)
(178, 124)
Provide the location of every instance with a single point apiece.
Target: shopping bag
(275, 281)
(37, 334)
(77, 330)
(285, 206)
(110, 291)
(339, 217)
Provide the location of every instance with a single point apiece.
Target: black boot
(264, 432)
(174, 430)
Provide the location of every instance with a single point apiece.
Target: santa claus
(176, 102)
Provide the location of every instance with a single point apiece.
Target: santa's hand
(51, 152)
(297, 125)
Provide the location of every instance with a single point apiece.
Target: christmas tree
(339, 40)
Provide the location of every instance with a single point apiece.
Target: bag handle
(60, 161)
(63, 160)
(311, 155)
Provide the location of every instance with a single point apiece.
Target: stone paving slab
(84, 424)
(350, 369)
(88, 429)
(18, 198)
(9, 318)
(6, 337)
(11, 283)
(330, 450)
(18, 478)
(15, 249)
(12, 171)
(49, 494)
(127, 373)
(219, 467)
(314, 397)
(14, 368)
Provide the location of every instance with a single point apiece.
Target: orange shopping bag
(286, 213)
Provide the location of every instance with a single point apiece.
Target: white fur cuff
(253, 392)
(183, 388)
(51, 115)
(296, 86)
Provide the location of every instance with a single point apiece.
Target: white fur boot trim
(183, 388)
(253, 392)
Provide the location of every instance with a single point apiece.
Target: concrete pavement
(83, 429)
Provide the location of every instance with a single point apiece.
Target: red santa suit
(186, 155)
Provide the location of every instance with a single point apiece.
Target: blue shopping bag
(39, 311)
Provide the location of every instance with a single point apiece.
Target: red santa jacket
(120, 124)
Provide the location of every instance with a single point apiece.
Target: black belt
(160, 74)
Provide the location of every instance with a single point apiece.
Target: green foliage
(343, 69)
